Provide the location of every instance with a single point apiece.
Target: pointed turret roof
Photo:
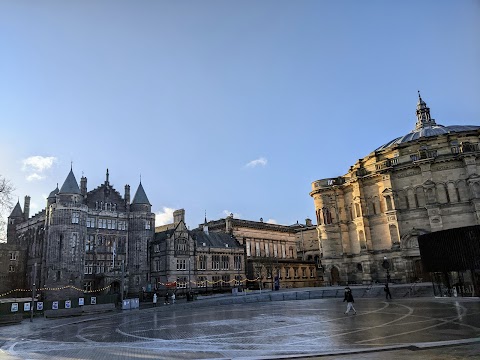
(140, 196)
(70, 186)
(17, 211)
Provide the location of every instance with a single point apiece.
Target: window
(290, 252)
(157, 265)
(75, 218)
(109, 224)
(237, 262)
(295, 273)
(225, 262)
(257, 249)
(249, 253)
(284, 254)
(287, 273)
(217, 281)
(87, 286)
(275, 250)
(202, 262)
(156, 248)
(11, 268)
(122, 225)
(13, 256)
(202, 281)
(181, 245)
(181, 264)
(102, 223)
(238, 280)
(304, 273)
(267, 250)
(312, 272)
(147, 225)
(182, 283)
(89, 243)
(215, 262)
(90, 222)
(225, 280)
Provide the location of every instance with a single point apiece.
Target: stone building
(83, 238)
(275, 251)
(195, 259)
(369, 219)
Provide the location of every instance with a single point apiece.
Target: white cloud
(272, 221)
(35, 177)
(257, 162)
(164, 217)
(36, 165)
(235, 215)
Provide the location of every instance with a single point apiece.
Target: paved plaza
(413, 328)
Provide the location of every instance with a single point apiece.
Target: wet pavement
(413, 328)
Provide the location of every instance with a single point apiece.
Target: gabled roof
(17, 211)
(140, 196)
(70, 186)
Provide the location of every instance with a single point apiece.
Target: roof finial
(71, 165)
(106, 181)
(140, 178)
(205, 216)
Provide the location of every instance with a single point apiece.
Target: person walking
(154, 299)
(166, 299)
(173, 298)
(387, 292)
(349, 299)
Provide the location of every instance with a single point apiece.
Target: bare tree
(6, 192)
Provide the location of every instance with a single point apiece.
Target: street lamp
(386, 266)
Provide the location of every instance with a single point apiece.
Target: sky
(223, 106)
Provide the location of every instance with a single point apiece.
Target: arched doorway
(115, 287)
(335, 276)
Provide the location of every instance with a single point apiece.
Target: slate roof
(428, 131)
(214, 239)
(17, 211)
(140, 196)
(70, 186)
(54, 192)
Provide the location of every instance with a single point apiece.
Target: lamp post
(386, 266)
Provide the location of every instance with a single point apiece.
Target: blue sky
(223, 106)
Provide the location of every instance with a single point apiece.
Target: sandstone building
(424, 181)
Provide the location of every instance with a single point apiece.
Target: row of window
(266, 250)
(111, 224)
(99, 268)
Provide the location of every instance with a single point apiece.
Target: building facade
(370, 218)
(275, 252)
(195, 259)
(83, 239)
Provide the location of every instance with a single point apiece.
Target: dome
(53, 193)
(426, 127)
(428, 131)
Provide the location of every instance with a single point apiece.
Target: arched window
(357, 210)
(388, 202)
(327, 216)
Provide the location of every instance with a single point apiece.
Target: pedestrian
(349, 299)
(154, 299)
(166, 299)
(387, 291)
(173, 298)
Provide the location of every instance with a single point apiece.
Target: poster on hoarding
(26, 306)
(68, 304)
(81, 301)
(55, 305)
(40, 305)
(93, 300)
(14, 307)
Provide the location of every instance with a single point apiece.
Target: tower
(16, 217)
(141, 232)
(66, 215)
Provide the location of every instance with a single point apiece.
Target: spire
(140, 196)
(205, 225)
(423, 114)
(17, 211)
(70, 186)
(106, 180)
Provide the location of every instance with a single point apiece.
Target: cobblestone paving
(268, 330)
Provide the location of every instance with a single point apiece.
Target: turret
(140, 201)
(423, 114)
(16, 217)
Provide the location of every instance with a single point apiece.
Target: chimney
(83, 186)
(26, 208)
(127, 194)
(178, 215)
(308, 222)
(228, 224)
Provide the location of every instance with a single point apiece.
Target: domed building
(370, 218)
